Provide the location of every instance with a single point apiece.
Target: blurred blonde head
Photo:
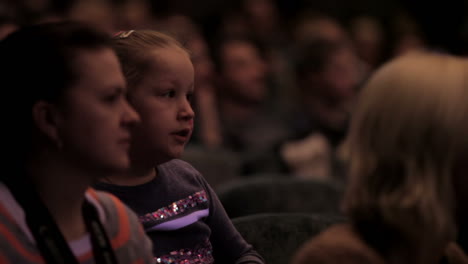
(407, 132)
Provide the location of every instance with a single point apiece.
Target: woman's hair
(38, 63)
(407, 132)
(133, 48)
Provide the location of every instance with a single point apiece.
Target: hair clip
(123, 34)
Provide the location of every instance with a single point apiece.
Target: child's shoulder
(179, 168)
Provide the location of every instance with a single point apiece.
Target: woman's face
(94, 118)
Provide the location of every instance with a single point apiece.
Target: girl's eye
(190, 97)
(113, 97)
(169, 94)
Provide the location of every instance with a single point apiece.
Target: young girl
(178, 209)
(68, 126)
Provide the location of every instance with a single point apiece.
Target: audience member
(328, 76)
(68, 125)
(178, 209)
(406, 143)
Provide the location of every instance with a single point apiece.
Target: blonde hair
(133, 48)
(408, 130)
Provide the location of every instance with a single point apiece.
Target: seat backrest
(280, 195)
(278, 236)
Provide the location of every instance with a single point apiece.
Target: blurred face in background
(133, 15)
(99, 14)
(262, 13)
(202, 62)
(367, 34)
(320, 27)
(340, 75)
(337, 80)
(243, 72)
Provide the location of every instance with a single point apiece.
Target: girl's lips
(125, 142)
(182, 132)
(183, 135)
(181, 139)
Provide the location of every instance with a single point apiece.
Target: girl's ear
(46, 117)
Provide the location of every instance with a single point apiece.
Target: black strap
(50, 241)
(102, 248)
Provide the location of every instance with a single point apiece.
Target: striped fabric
(17, 244)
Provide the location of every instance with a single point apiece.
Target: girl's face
(94, 119)
(163, 100)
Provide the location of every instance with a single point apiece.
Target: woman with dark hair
(67, 125)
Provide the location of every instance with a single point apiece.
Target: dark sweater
(184, 218)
